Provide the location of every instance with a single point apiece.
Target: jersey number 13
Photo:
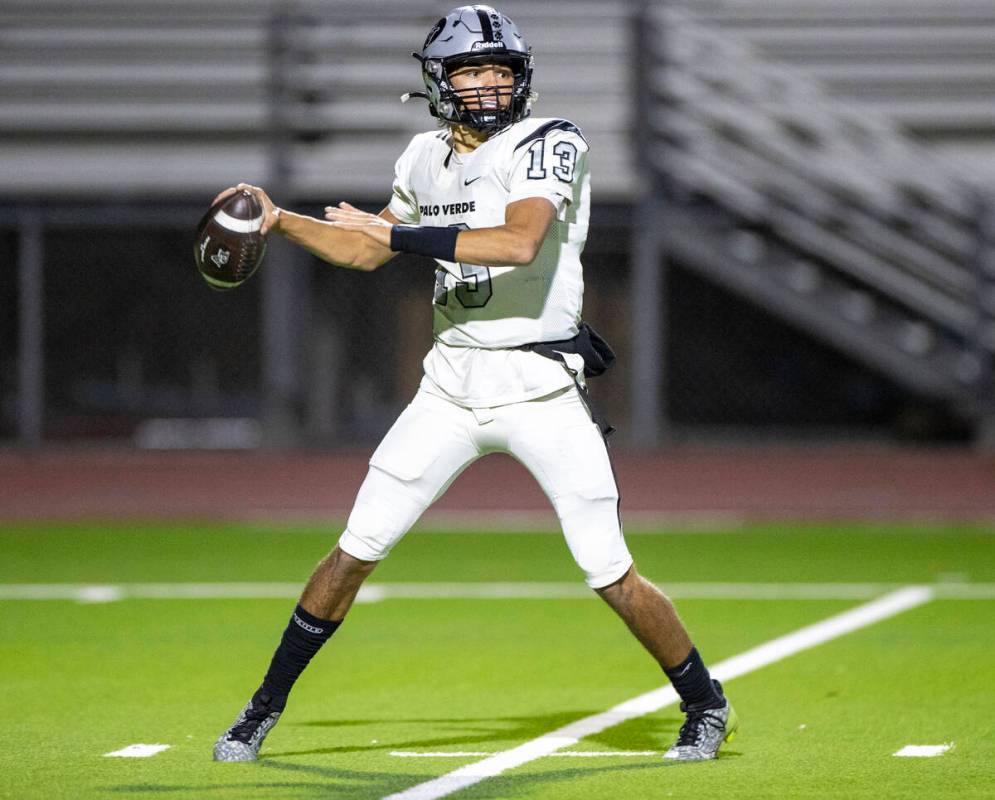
(473, 290)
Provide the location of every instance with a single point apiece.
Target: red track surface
(823, 483)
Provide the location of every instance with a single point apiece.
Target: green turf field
(457, 675)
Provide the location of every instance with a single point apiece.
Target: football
(229, 246)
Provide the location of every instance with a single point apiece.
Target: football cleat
(241, 742)
(703, 733)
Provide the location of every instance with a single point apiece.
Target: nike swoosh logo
(468, 181)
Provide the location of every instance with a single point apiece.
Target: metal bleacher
(821, 210)
(179, 97)
(929, 67)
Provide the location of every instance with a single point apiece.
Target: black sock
(694, 684)
(304, 636)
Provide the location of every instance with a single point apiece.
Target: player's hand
(350, 218)
(269, 218)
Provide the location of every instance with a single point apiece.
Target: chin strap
(408, 95)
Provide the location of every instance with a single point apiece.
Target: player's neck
(466, 140)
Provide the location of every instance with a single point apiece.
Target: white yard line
(565, 754)
(605, 754)
(104, 593)
(551, 591)
(451, 754)
(372, 593)
(775, 650)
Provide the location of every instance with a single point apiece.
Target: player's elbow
(524, 252)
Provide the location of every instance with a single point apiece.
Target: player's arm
(337, 246)
(512, 244)
(343, 248)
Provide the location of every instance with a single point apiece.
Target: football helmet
(470, 35)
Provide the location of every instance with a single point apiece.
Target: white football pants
(434, 440)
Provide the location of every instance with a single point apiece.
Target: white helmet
(469, 35)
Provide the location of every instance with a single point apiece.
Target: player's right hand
(269, 218)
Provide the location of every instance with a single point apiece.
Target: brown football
(229, 246)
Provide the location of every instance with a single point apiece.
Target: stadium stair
(823, 211)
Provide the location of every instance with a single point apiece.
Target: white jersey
(482, 313)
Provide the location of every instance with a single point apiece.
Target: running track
(833, 482)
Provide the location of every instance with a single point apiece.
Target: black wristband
(437, 243)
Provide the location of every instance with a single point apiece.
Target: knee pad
(594, 535)
(385, 509)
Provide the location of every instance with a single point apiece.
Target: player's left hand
(350, 218)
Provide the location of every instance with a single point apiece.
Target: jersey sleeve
(550, 162)
(403, 203)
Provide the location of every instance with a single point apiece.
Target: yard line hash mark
(761, 656)
(138, 751)
(923, 750)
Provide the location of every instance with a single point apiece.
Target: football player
(500, 200)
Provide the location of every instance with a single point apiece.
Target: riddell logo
(482, 45)
(305, 626)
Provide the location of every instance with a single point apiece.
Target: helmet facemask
(483, 108)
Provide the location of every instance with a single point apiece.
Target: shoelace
(244, 731)
(693, 728)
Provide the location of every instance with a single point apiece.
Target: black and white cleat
(241, 742)
(703, 732)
